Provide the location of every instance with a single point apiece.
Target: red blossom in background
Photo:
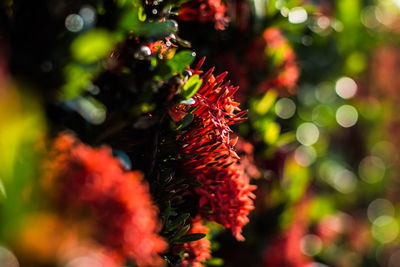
(198, 251)
(285, 250)
(246, 152)
(278, 53)
(207, 154)
(82, 178)
(288, 72)
(204, 11)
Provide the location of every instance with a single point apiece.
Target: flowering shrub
(84, 179)
(196, 252)
(209, 157)
(176, 165)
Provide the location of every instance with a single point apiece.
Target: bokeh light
(88, 14)
(380, 207)
(285, 108)
(90, 110)
(346, 116)
(346, 87)
(344, 181)
(305, 155)
(311, 245)
(371, 169)
(85, 261)
(297, 15)
(7, 258)
(307, 134)
(385, 229)
(74, 23)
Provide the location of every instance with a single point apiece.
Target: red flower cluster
(198, 251)
(161, 47)
(87, 179)
(207, 152)
(205, 10)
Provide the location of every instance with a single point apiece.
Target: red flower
(208, 155)
(87, 179)
(279, 55)
(205, 10)
(161, 47)
(226, 195)
(198, 251)
(285, 250)
(245, 151)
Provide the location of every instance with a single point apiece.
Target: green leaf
(77, 79)
(92, 46)
(285, 139)
(167, 212)
(189, 238)
(178, 221)
(295, 180)
(133, 21)
(266, 102)
(155, 29)
(3, 192)
(191, 86)
(272, 133)
(215, 262)
(185, 122)
(89, 108)
(179, 233)
(141, 14)
(179, 62)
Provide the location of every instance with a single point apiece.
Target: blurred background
(319, 79)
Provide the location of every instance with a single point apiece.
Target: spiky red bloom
(205, 10)
(86, 179)
(198, 251)
(208, 156)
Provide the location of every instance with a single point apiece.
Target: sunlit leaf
(180, 61)
(271, 133)
(77, 79)
(180, 220)
(191, 86)
(266, 102)
(215, 262)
